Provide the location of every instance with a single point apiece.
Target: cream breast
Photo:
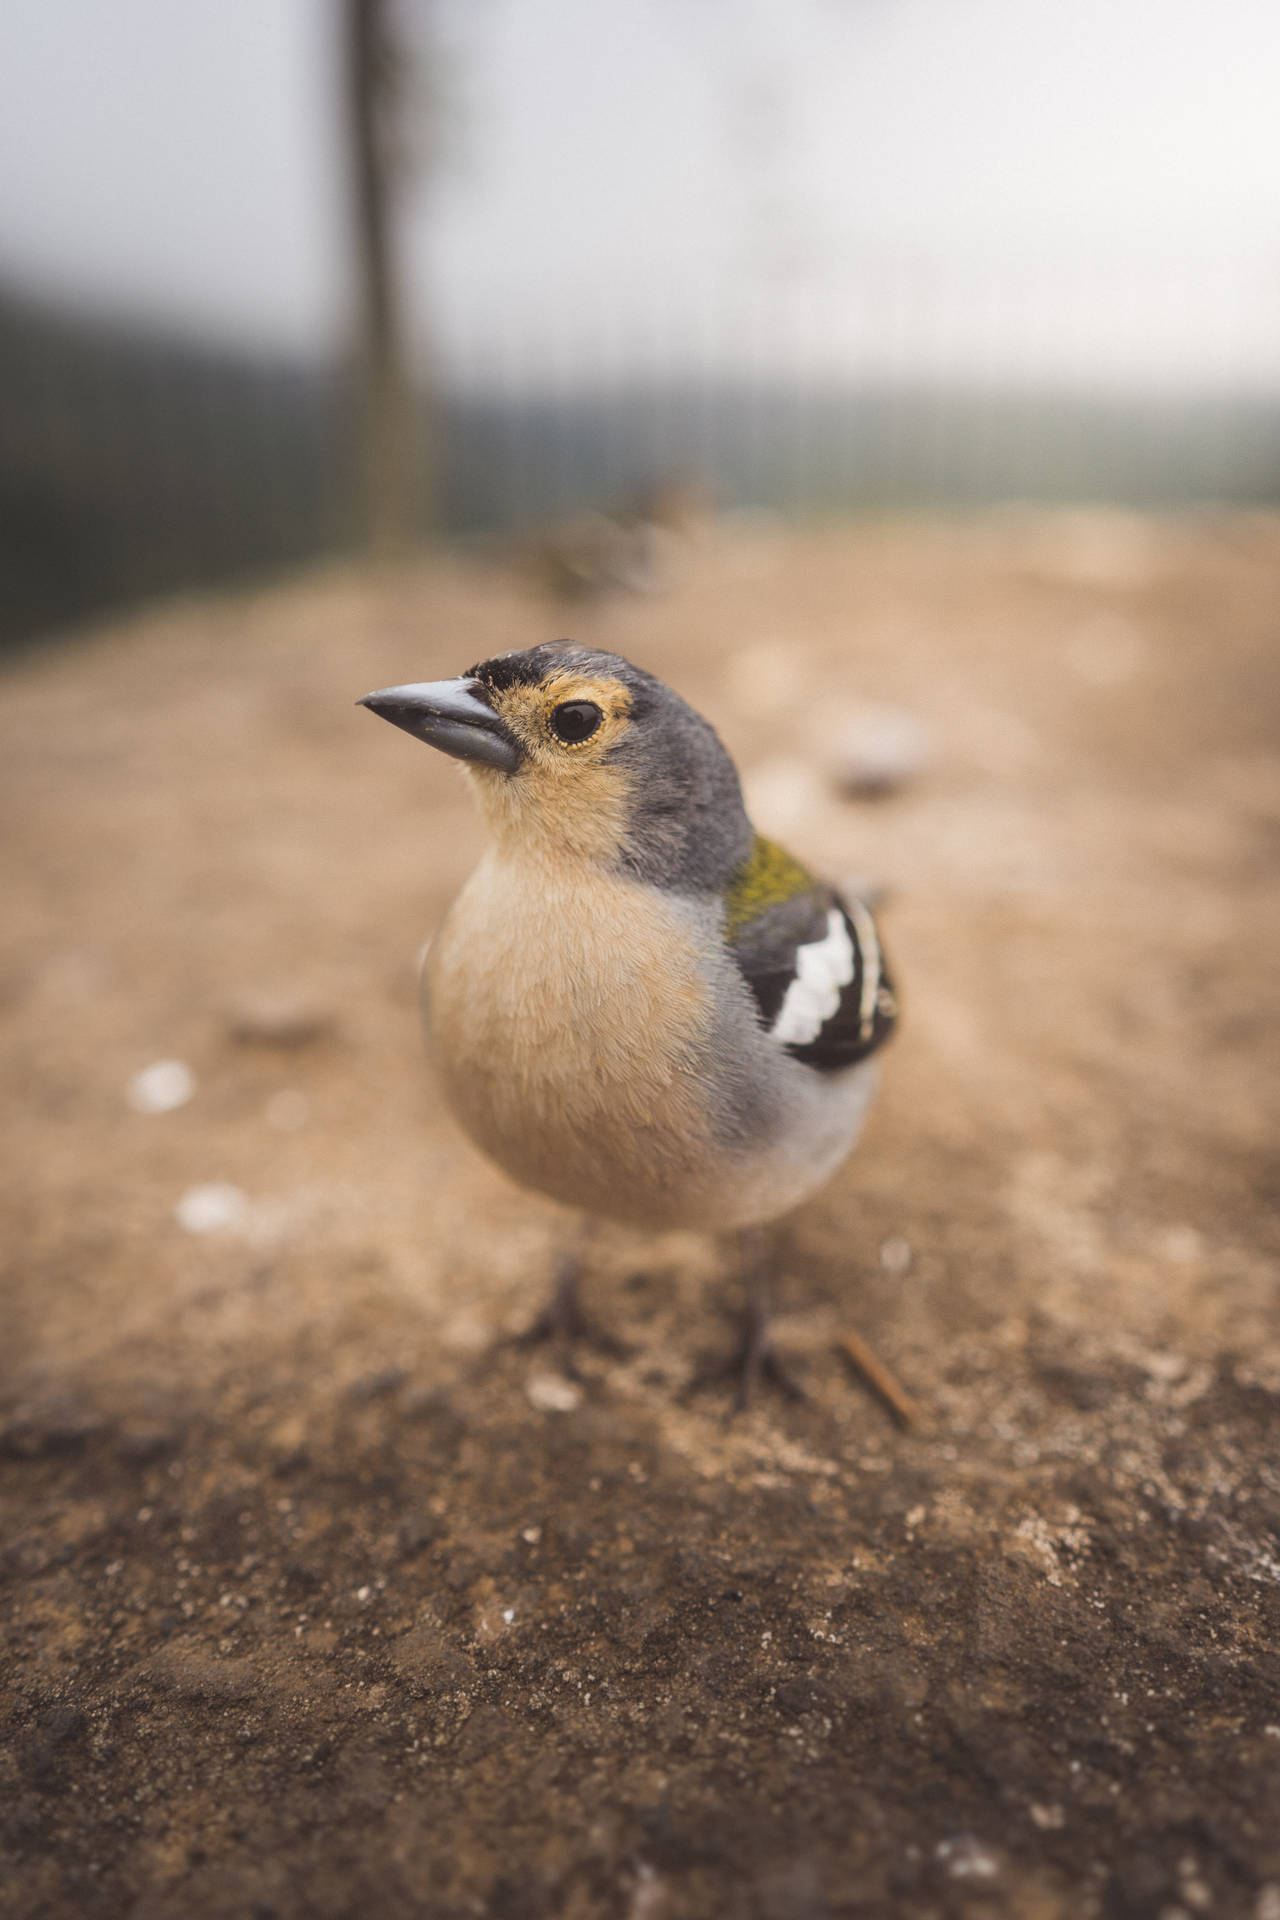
(569, 1034)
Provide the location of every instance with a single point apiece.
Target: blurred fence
(131, 465)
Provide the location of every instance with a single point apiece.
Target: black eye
(575, 720)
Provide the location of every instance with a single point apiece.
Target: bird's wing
(813, 961)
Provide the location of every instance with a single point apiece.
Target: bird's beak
(451, 715)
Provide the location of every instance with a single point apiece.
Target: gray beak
(450, 715)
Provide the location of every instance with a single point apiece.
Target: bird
(638, 1005)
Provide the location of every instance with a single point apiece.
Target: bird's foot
(566, 1328)
(564, 1324)
(754, 1362)
(757, 1362)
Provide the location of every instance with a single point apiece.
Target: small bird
(638, 1005)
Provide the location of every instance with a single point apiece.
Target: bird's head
(577, 753)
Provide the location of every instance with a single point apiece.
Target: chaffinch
(638, 1004)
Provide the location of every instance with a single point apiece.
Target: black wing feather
(766, 949)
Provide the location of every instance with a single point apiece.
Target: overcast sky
(868, 181)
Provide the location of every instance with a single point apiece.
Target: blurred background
(900, 380)
(289, 278)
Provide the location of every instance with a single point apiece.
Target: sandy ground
(315, 1605)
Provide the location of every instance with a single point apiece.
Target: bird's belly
(568, 1040)
(576, 1049)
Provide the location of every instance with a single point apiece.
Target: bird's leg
(563, 1319)
(755, 1358)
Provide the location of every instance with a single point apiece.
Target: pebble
(161, 1088)
(212, 1208)
(967, 1858)
(877, 751)
(552, 1393)
(782, 795)
(277, 1020)
(895, 1255)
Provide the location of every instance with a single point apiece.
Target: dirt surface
(314, 1604)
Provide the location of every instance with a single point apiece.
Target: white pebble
(784, 795)
(878, 750)
(161, 1087)
(967, 1858)
(552, 1393)
(211, 1208)
(895, 1255)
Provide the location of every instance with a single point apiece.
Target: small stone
(783, 794)
(895, 1255)
(212, 1208)
(161, 1087)
(277, 1020)
(967, 1858)
(877, 751)
(648, 1894)
(552, 1393)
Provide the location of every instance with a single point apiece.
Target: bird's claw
(563, 1324)
(755, 1362)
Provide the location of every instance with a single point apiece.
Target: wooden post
(389, 427)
